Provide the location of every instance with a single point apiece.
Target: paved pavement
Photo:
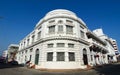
(111, 69)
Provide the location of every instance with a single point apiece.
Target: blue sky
(19, 17)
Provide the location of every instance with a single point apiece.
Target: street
(110, 69)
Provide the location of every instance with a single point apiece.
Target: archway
(85, 59)
(36, 56)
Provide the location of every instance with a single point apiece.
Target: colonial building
(12, 50)
(115, 46)
(98, 50)
(111, 50)
(61, 40)
(4, 54)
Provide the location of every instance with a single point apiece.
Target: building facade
(115, 46)
(12, 51)
(116, 49)
(111, 50)
(4, 54)
(61, 40)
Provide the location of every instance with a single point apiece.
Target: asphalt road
(111, 69)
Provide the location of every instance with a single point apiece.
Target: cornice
(61, 16)
(57, 38)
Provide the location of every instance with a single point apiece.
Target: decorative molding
(57, 38)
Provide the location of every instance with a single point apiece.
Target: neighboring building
(111, 51)
(61, 40)
(12, 50)
(4, 54)
(98, 50)
(115, 46)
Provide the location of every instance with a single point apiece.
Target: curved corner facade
(59, 41)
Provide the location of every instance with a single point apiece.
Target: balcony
(96, 46)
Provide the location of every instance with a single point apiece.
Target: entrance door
(37, 57)
(85, 59)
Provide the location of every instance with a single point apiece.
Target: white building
(111, 51)
(115, 46)
(12, 50)
(4, 54)
(98, 50)
(59, 41)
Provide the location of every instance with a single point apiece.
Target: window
(71, 56)
(31, 49)
(69, 21)
(50, 56)
(39, 27)
(30, 57)
(25, 51)
(25, 58)
(52, 29)
(37, 56)
(60, 56)
(21, 45)
(60, 28)
(60, 21)
(39, 35)
(91, 58)
(33, 38)
(60, 44)
(51, 21)
(28, 40)
(22, 52)
(50, 45)
(69, 29)
(24, 43)
(81, 27)
(82, 34)
(71, 45)
(84, 51)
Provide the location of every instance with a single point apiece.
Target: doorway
(37, 56)
(85, 59)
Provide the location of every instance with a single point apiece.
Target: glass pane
(36, 59)
(71, 56)
(28, 40)
(60, 44)
(60, 56)
(33, 38)
(50, 56)
(39, 35)
(51, 29)
(82, 34)
(69, 29)
(50, 45)
(71, 45)
(60, 28)
(30, 57)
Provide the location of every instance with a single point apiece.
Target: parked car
(13, 62)
(2, 60)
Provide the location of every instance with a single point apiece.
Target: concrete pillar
(66, 56)
(54, 56)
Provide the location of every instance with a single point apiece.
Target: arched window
(84, 51)
(36, 56)
(60, 21)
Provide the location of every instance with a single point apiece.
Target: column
(66, 56)
(54, 56)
